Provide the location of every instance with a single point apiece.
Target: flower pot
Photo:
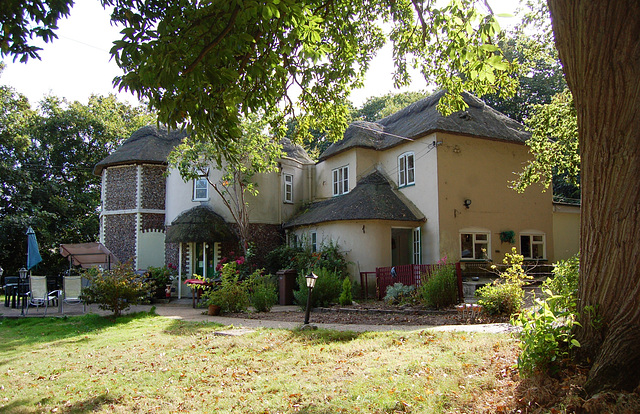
(213, 310)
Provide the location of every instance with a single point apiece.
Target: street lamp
(22, 287)
(311, 282)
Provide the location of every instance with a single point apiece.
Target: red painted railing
(409, 275)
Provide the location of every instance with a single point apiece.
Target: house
(444, 183)
(411, 188)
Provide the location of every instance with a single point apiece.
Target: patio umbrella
(33, 254)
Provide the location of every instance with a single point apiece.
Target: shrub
(232, 294)
(302, 259)
(346, 298)
(160, 277)
(564, 282)
(441, 289)
(547, 337)
(326, 291)
(399, 294)
(264, 294)
(115, 290)
(505, 295)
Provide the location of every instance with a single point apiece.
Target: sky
(78, 63)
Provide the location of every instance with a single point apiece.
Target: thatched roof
(295, 152)
(373, 198)
(151, 145)
(422, 118)
(148, 145)
(199, 224)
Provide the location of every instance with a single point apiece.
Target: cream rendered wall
(423, 194)
(480, 170)
(366, 243)
(267, 207)
(150, 249)
(566, 230)
(323, 177)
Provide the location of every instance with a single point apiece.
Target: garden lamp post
(311, 282)
(22, 288)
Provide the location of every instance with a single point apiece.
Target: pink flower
(240, 260)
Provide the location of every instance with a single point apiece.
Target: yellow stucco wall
(480, 170)
(566, 230)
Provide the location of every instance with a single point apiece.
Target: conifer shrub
(326, 291)
(346, 298)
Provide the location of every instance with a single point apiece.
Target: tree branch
(214, 42)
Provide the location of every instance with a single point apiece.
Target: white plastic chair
(71, 291)
(38, 294)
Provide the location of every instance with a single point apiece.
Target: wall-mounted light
(467, 202)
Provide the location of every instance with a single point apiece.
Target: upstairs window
(533, 246)
(340, 180)
(314, 242)
(475, 246)
(406, 169)
(288, 188)
(201, 189)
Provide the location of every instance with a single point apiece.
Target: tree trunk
(599, 46)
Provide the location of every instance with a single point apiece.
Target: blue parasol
(33, 254)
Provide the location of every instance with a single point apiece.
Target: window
(314, 242)
(406, 169)
(417, 247)
(474, 246)
(340, 180)
(532, 246)
(288, 188)
(200, 188)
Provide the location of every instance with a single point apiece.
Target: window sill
(407, 185)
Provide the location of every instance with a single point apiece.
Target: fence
(417, 274)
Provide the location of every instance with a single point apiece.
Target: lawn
(147, 363)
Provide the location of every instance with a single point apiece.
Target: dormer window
(340, 180)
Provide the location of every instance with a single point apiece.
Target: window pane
(402, 168)
(410, 169)
(537, 252)
(345, 188)
(537, 238)
(480, 251)
(466, 246)
(481, 237)
(525, 246)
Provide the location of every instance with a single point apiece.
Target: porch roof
(199, 224)
(373, 198)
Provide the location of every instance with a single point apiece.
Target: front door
(401, 247)
(205, 253)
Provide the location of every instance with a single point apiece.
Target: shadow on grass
(182, 328)
(18, 332)
(89, 405)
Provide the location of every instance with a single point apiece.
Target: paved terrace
(182, 309)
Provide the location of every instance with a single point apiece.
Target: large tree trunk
(599, 45)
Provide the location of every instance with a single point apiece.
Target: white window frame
(535, 238)
(201, 184)
(478, 238)
(417, 246)
(406, 169)
(340, 180)
(288, 188)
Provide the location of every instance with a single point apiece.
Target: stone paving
(182, 309)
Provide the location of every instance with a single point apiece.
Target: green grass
(146, 363)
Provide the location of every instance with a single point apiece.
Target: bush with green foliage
(160, 277)
(346, 298)
(399, 294)
(302, 259)
(505, 296)
(440, 290)
(326, 291)
(115, 290)
(232, 293)
(263, 293)
(547, 336)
